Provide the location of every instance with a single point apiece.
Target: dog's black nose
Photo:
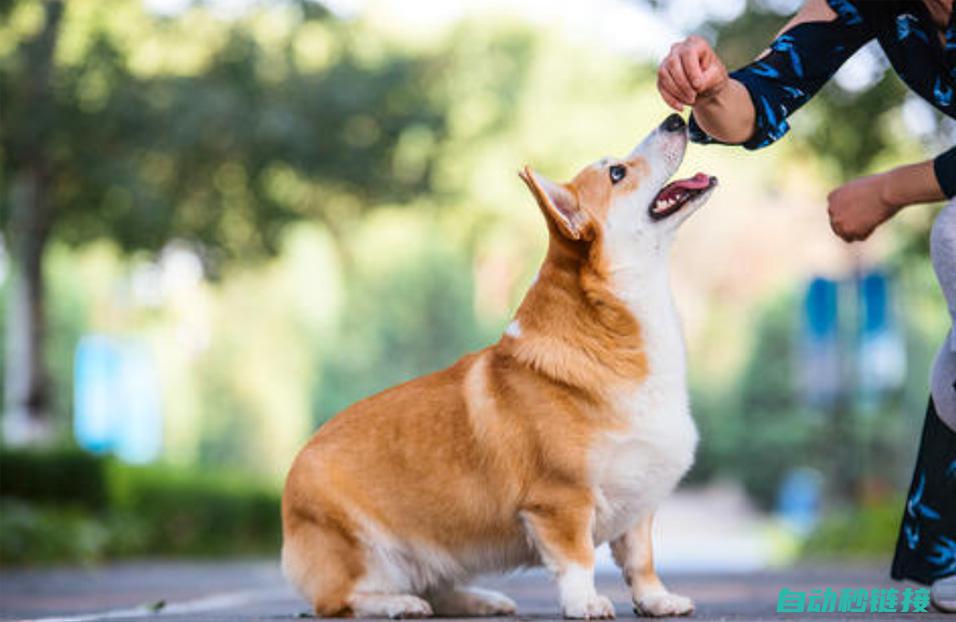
(673, 123)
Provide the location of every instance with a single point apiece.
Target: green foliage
(869, 531)
(773, 431)
(189, 513)
(756, 431)
(66, 506)
(410, 316)
(224, 157)
(66, 477)
(31, 533)
(67, 319)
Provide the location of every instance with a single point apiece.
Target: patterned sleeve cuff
(770, 124)
(771, 117)
(945, 167)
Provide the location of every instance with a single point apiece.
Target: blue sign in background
(116, 399)
(851, 342)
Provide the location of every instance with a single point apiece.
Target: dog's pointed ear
(558, 203)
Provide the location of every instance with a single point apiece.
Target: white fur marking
(514, 329)
(579, 599)
(395, 565)
(663, 604)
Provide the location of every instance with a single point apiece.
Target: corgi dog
(565, 434)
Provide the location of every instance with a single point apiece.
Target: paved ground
(255, 592)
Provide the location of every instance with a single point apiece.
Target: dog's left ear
(560, 205)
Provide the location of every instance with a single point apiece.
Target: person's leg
(943, 251)
(926, 548)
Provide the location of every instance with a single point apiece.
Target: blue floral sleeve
(799, 62)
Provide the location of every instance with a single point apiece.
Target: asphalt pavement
(255, 591)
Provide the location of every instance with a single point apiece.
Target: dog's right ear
(559, 204)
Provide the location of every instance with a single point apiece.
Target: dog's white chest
(636, 468)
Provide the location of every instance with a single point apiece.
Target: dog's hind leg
(456, 601)
(327, 564)
(633, 553)
(322, 558)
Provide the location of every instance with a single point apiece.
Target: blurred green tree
(410, 319)
(223, 157)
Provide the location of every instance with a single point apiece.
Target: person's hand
(691, 71)
(858, 207)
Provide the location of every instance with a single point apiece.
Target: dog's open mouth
(679, 193)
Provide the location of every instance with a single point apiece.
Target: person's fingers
(690, 63)
(698, 43)
(676, 71)
(835, 223)
(836, 228)
(683, 88)
(689, 68)
(668, 98)
(711, 77)
(667, 85)
(845, 233)
(669, 90)
(841, 233)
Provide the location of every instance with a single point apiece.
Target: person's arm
(750, 106)
(858, 207)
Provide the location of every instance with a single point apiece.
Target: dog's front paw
(659, 604)
(593, 607)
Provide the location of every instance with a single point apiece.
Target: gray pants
(943, 252)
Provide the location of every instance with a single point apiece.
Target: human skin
(693, 75)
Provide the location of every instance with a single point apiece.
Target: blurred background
(225, 221)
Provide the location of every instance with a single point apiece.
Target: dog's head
(625, 204)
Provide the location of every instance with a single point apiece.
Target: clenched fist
(690, 71)
(858, 207)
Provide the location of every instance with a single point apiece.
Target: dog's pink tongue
(679, 188)
(697, 182)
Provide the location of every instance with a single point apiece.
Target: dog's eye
(617, 172)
